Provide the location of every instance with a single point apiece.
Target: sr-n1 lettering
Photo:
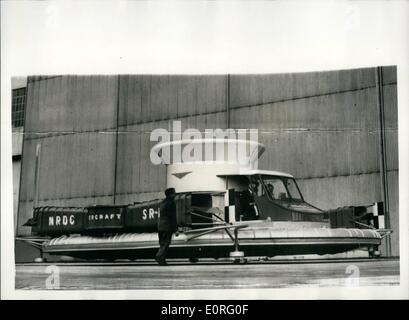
(149, 213)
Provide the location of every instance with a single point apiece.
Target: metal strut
(237, 255)
(203, 231)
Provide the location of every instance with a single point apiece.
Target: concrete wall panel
(25, 212)
(16, 187)
(28, 169)
(393, 187)
(341, 111)
(135, 172)
(162, 97)
(72, 165)
(389, 75)
(334, 192)
(247, 90)
(390, 96)
(392, 154)
(72, 103)
(307, 154)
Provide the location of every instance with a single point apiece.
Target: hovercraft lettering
(149, 213)
(61, 220)
(104, 217)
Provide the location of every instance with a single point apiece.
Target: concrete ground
(207, 275)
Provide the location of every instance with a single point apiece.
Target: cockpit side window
(281, 188)
(275, 188)
(293, 189)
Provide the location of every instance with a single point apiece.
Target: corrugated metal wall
(323, 127)
(74, 118)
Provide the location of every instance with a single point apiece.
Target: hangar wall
(323, 127)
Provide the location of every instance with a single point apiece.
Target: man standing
(167, 225)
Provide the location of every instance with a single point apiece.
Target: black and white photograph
(201, 173)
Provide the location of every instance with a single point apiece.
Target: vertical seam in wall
(16, 227)
(116, 137)
(227, 115)
(228, 102)
(383, 165)
(385, 159)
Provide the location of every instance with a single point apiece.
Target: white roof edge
(249, 172)
(272, 173)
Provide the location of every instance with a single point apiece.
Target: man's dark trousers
(167, 225)
(165, 237)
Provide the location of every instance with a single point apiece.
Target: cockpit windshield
(278, 188)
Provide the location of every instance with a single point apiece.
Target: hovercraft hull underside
(252, 241)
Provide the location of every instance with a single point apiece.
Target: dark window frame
(18, 106)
